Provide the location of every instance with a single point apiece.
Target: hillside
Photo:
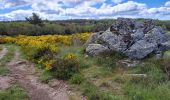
(40, 66)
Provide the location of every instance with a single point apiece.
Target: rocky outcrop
(136, 39)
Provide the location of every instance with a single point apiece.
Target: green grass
(7, 58)
(92, 68)
(13, 93)
(101, 72)
(1, 48)
(167, 54)
(156, 86)
(46, 76)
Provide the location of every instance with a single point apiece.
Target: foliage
(109, 59)
(153, 87)
(61, 27)
(77, 79)
(44, 49)
(34, 19)
(13, 93)
(46, 76)
(3, 62)
(93, 93)
(53, 27)
(66, 68)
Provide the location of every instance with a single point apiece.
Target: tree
(35, 19)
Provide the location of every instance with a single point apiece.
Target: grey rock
(96, 49)
(93, 38)
(113, 41)
(140, 49)
(164, 47)
(136, 39)
(148, 25)
(156, 35)
(127, 63)
(138, 35)
(123, 26)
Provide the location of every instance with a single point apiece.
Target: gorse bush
(65, 68)
(43, 50)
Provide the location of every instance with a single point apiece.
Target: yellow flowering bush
(70, 56)
(7, 39)
(82, 36)
(41, 49)
(49, 64)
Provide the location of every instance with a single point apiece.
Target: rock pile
(136, 39)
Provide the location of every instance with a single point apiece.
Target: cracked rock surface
(136, 39)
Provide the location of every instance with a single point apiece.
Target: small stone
(96, 49)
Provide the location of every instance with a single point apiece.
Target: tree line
(34, 25)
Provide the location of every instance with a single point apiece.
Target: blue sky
(84, 9)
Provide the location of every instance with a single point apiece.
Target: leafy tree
(35, 19)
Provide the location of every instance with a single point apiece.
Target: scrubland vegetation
(97, 78)
(61, 27)
(61, 55)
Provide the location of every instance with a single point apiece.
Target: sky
(84, 9)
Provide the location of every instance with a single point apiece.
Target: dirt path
(3, 52)
(5, 81)
(23, 73)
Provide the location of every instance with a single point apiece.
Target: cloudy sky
(84, 9)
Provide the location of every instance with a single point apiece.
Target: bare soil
(24, 74)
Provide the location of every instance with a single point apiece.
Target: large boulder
(136, 39)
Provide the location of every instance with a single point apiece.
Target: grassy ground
(3, 62)
(1, 48)
(101, 78)
(13, 93)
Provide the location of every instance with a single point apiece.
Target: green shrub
(46, 76)
(64, 68)
(76, 79)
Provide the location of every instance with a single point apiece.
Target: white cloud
(117, 1)
(167, 3)
(65, 9)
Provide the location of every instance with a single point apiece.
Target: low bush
(77, 79)
(64, 68)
